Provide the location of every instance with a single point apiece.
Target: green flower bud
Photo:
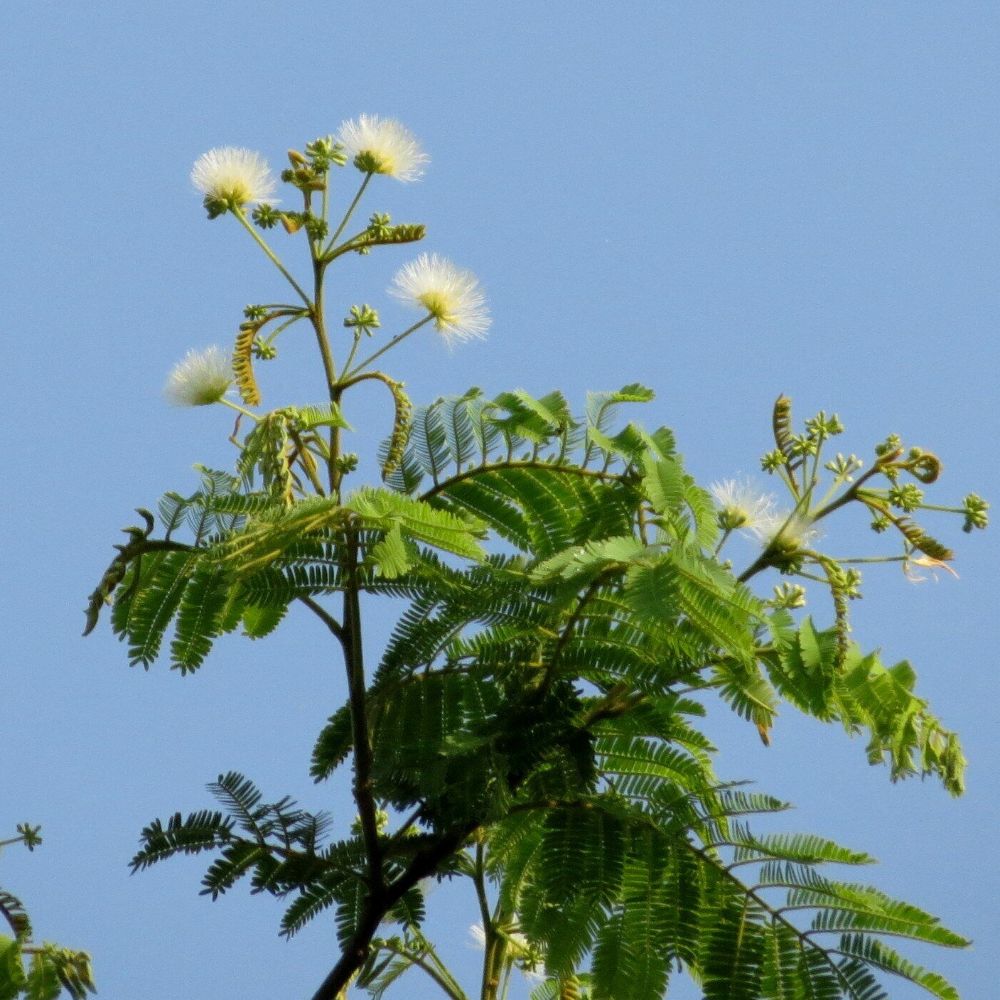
(976, 512)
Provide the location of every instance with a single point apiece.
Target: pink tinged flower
(200, 378)
(382, 146)
(451, 295)
(233, 175)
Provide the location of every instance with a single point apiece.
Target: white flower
(789, 532)
(741, 504)
(201, 378)
(477, 936)
(452, 296)
(383, 146)
(230, 174)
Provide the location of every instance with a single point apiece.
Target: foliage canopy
(533, 724)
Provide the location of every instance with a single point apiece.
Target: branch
(567, 631)
(424, 863)
(452, 989)
(363, 761)
(324, 616)
(776, 914)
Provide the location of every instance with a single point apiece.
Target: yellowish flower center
(438, 305)
(375, 162)
(237, 191)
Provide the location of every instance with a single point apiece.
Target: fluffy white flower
(201, 378)
(452, 296)
(477, 936)
(382, 146)
(741, 504)
(231, 174)
(787, 531)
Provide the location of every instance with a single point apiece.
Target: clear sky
(723, 200)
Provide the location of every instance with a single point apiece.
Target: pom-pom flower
(382, 146)
(201, 378)
(233, 176)
(785, 532)
(451, 295)
(741, 504)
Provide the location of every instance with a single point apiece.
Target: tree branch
(424, 863)
(363, 761)
(324, 616)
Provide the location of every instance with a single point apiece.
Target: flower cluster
(231, 178)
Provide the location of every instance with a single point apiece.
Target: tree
(566, 609)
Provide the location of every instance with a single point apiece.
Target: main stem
(334, 391)
(363, 782)
(425, 862)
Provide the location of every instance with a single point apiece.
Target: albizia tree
(566, 605)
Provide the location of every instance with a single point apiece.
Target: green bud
(850, 583)
(324, 153)
(378, 225)
(976, 512)
(266, 216)
(363, 318)
(772, 461)
(789, 595)
(907, 497)
(31, 835)
(843, 467)
(822, 426)
(316, 228)
(804, 444)
(891, 444)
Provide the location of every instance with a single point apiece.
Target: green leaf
(391, 555)
(418, 520)
(333, 745)
(322, 415)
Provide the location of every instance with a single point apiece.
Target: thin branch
(479, 882)
(774, 914)
(567, 631)
(324, 616)
(451, 988)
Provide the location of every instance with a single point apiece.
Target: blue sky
(724, 201)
